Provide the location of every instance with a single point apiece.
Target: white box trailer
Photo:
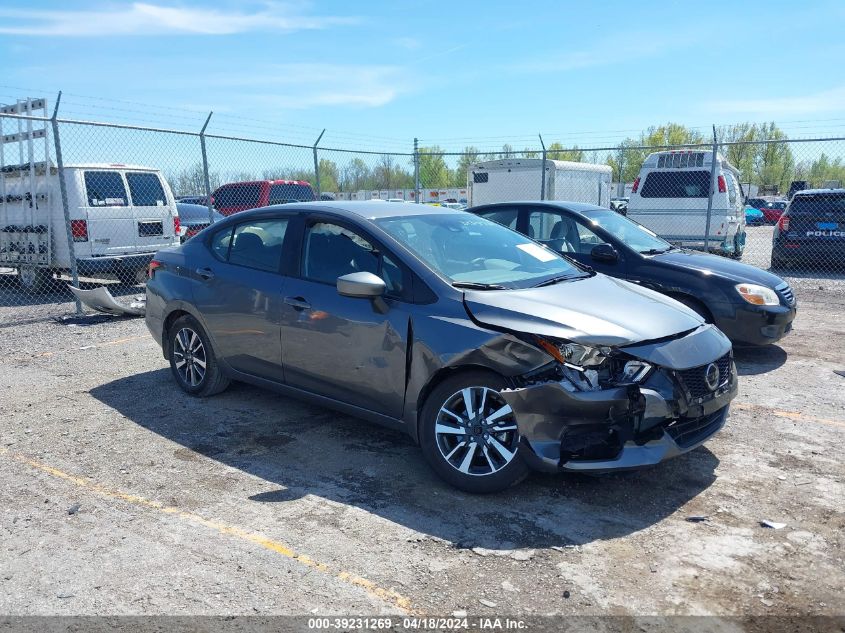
(513, 179)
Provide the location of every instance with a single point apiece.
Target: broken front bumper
(630, 426)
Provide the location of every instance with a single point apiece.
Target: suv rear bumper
(113, 264)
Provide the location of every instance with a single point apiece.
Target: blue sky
(376, 74)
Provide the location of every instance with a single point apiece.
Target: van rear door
(152, 212)
(111, 227)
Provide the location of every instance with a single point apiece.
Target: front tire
(469, 435)
(192, 360)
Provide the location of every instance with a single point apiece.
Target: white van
(670, 198)
(120, 215)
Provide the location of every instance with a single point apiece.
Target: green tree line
(762, 163)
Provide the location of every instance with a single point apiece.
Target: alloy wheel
(476, 431)
(189, 356)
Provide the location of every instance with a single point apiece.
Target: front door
(349, 349)
(238, 290)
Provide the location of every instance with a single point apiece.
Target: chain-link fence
(87, 204)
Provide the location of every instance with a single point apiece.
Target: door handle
(298, 303)
(205, 273)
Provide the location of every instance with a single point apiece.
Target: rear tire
(192, 359)
(475, 451)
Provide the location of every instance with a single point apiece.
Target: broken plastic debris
(74, 508)
(772, 524)
(100, 299)
(696, 518)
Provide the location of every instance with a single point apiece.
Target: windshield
(467, 249)
(630, 233)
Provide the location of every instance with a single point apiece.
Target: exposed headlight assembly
(758, 295)
(574, 354)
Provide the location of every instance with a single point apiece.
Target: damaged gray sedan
(494, 353)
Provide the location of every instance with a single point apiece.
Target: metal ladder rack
(25, 235)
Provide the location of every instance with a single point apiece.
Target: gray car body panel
(598, 310)
(413, 345)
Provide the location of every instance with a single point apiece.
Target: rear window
(822, 203)
(241, 195)
(105, 189)
(284, 193)
(146, 190)
(676, 184)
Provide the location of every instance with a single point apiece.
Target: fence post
(416, 170)
(712, 192)
(317, 165)
(543, 170)
(205, 177)
(60, 166)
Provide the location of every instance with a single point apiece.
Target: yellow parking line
(387, 595)
(792, 415)
(118, 341)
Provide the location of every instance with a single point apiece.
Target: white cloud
(826, 101)
(304, 85)
(140, 18)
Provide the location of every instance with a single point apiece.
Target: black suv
(811, 232)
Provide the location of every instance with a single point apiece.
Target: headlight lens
(575, 354)
(758, 295)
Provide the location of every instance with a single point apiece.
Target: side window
(587, 240)
(258, 244)
(506, 217)
(220, 244)
(332, 251)
(555, 230)
(732, 187)
(105, 189)
(146, 190)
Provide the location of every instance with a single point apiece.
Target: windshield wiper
(554, 280)
(474, 285)
(657, 251)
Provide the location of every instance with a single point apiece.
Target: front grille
(786, 294)
(694, 382)
(689, 431)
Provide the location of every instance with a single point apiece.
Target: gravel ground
(121, 495)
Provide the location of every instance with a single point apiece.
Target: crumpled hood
(718, 266)
(599, 310)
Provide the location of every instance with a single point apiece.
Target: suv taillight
(723, 186)
(177, 226)
(151, 269)
(636, 185)
(783, 223)
(79, 230)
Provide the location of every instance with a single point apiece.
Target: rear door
(237, 287)
(151, 210)
(111, 225)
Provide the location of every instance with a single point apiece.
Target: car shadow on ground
(756, 360)
(308, 450)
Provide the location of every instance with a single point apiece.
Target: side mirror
(604, 253)
(363, 285)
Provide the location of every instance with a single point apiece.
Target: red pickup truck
(241, 196)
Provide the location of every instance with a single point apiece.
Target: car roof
(365, 209)
(577, 207)
(810, 192)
